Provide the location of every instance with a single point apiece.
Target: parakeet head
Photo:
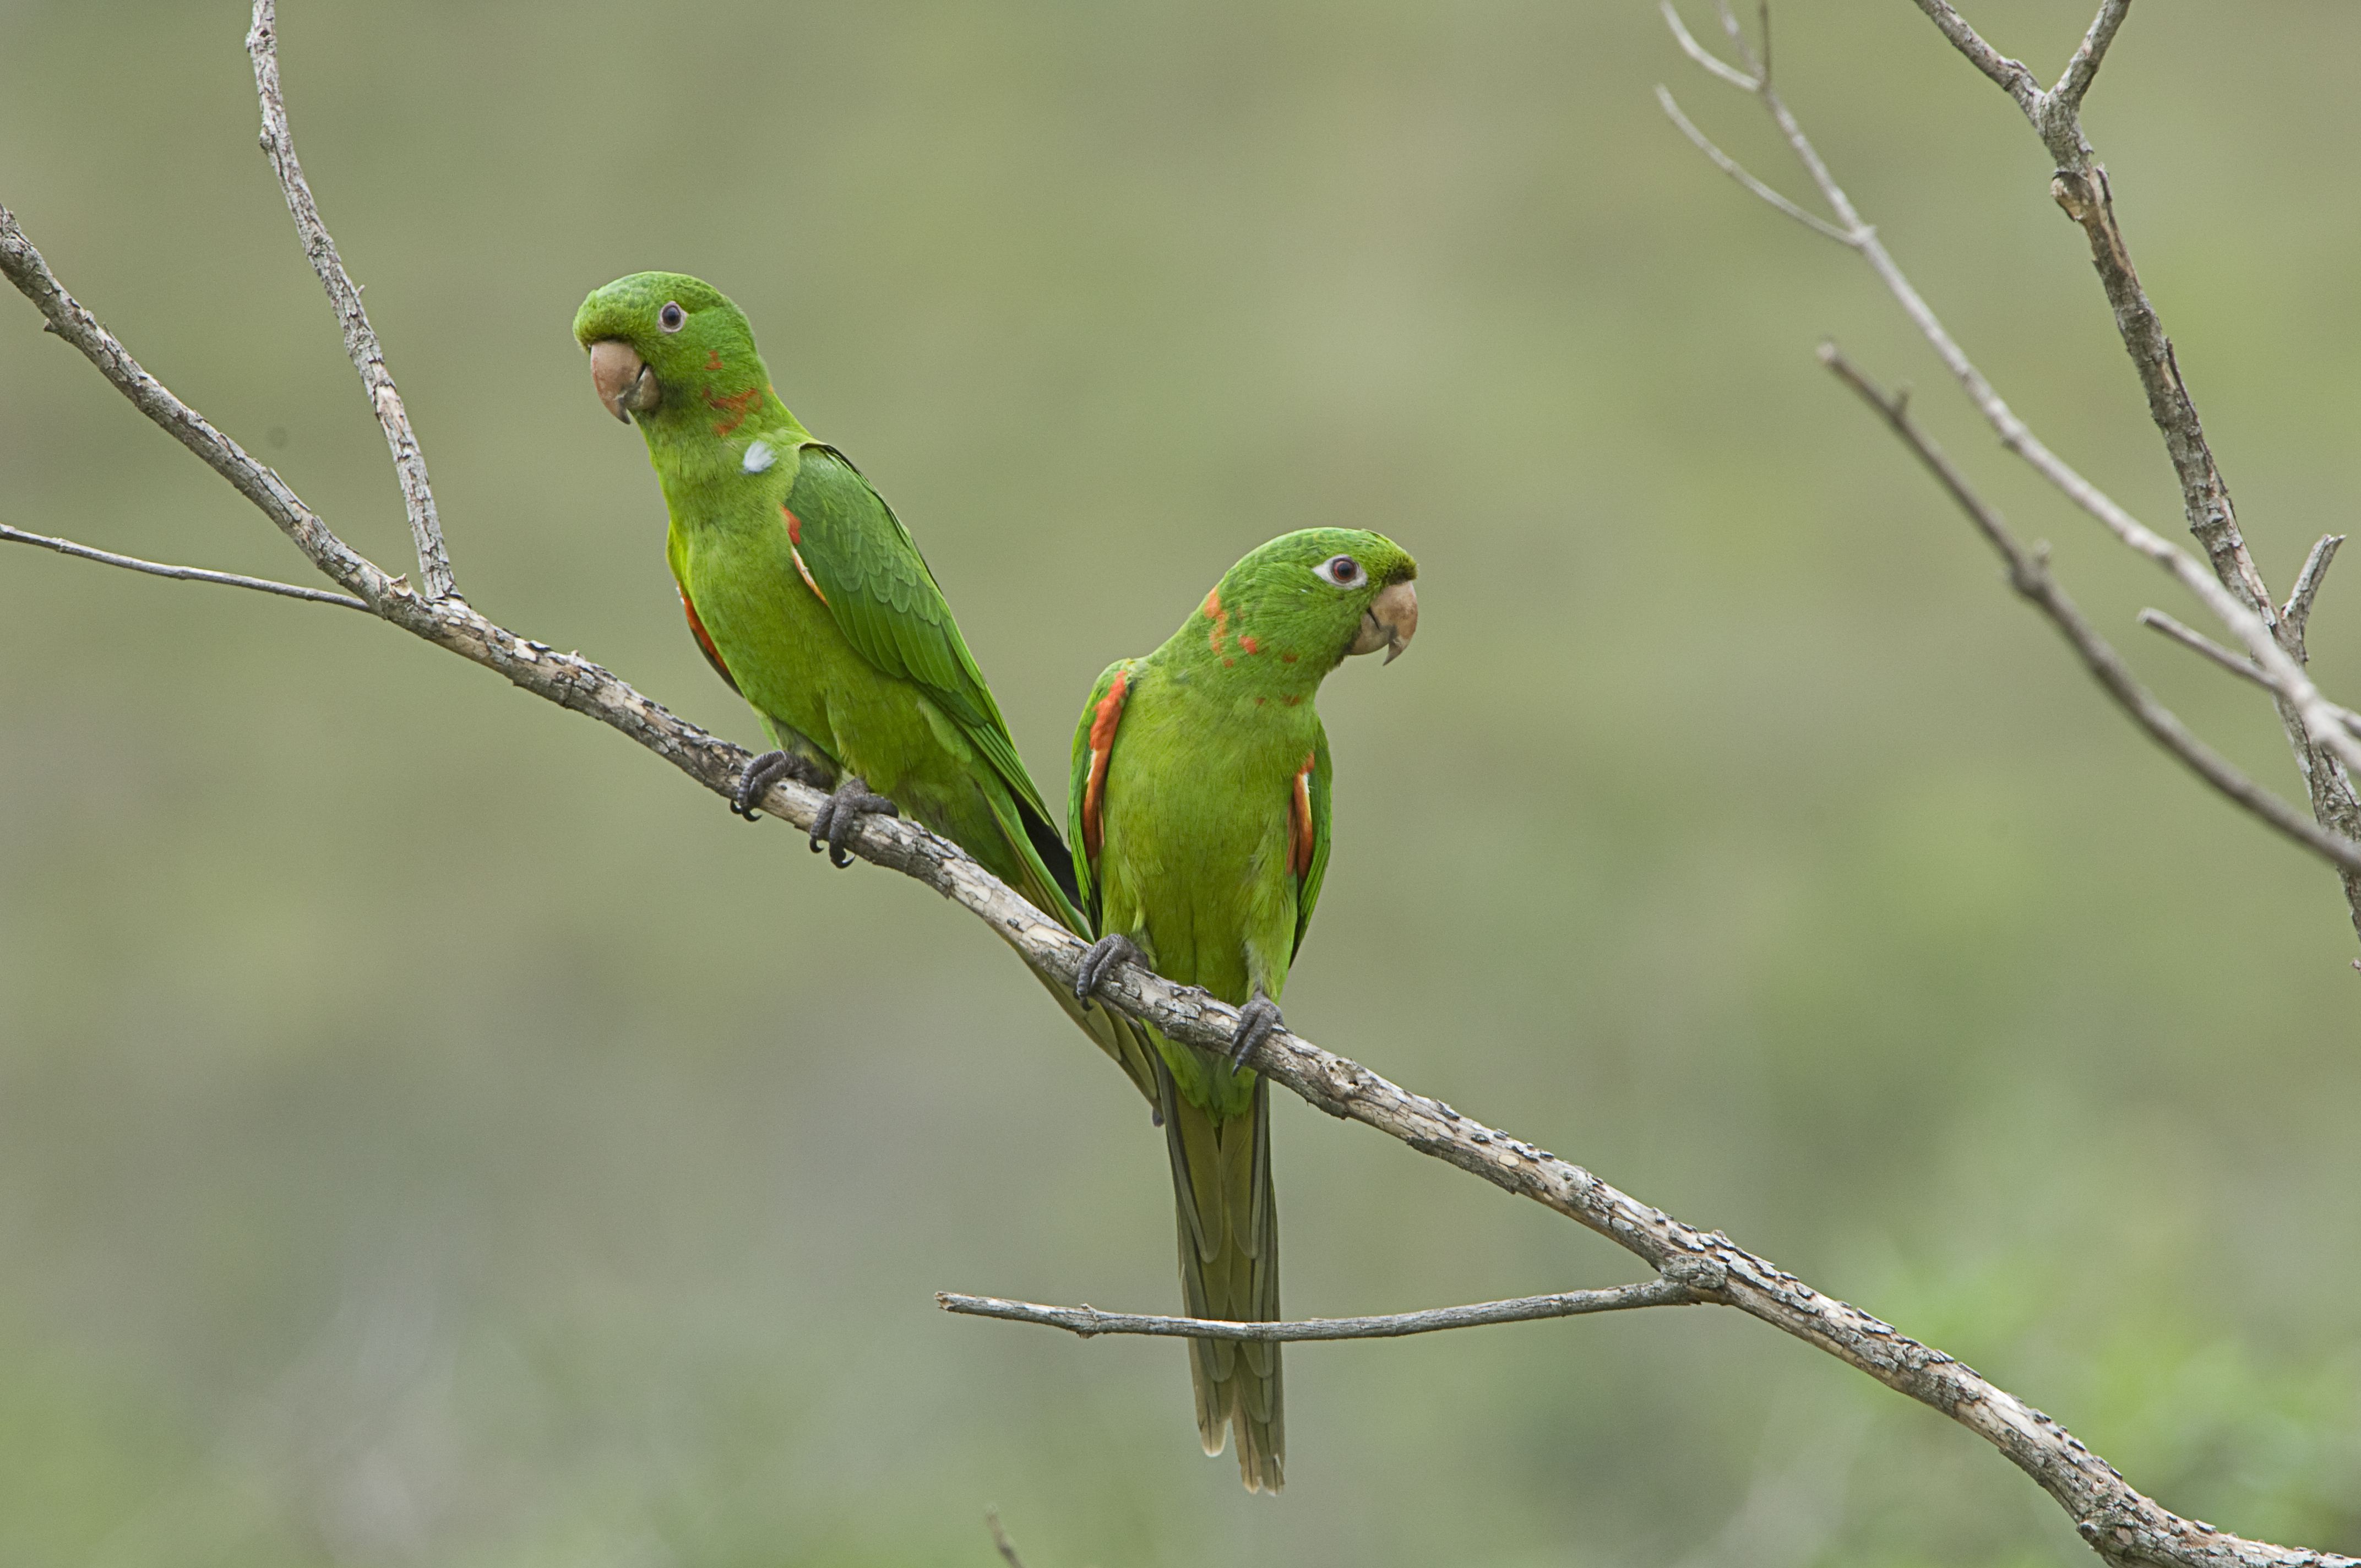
(671, 350)
(1312, 598)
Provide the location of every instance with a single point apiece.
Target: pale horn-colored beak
(1389, 622)
(625, 383)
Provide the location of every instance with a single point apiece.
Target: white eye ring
(1340, 570)
(672, 318)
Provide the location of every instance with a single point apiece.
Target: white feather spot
(759, 457)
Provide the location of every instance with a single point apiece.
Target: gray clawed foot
(1258, 1021)
(767, 770)
(1104, 954)
(833, 825)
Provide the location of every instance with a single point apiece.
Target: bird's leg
(768, 769)
(838, 814)
(1258, 1021)
(1104, 954)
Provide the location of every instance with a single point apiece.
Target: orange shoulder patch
(1298, 820)
(1104, 720)
(705, 642)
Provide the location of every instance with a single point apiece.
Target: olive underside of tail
(1229, 1271)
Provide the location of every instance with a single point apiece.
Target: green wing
(1307, 893)
(868, 569)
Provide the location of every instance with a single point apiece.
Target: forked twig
(2230, 590)
(1738, 171)
(2082, 191)
(344, 297)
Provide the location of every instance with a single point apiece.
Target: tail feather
(1229, 1271)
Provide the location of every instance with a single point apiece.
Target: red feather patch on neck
(736, 405)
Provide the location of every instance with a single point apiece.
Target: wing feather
(868, 571)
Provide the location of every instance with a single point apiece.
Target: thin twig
(1702, 55)
(179, 574)
(2198, 642)
(1000, 1538)
(2030, 574)
(2296, 614)
(1089, 1321)
(1737, 171)
(2083, 68)
(344, 296)
(2245, 669)
(2011, 74)
(1736, 36)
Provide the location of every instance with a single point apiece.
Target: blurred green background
(433, 1132)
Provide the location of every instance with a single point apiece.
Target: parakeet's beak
(625, 383)
(1389, 622)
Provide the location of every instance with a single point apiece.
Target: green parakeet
(808, 597)
(1199, 817)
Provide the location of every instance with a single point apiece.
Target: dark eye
(1340, 570)
(671, 317)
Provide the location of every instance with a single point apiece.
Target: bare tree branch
(2081, 187)
(2233, 590)
(2122, 1525)
(179, 574)
(2030, 574)
(344, 295)
(1089, 1321)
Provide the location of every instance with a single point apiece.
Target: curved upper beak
(625, 383)
(1389, 622)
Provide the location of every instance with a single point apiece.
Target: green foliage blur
(430, 1132)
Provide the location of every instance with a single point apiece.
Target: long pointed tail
(1229, 1270)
